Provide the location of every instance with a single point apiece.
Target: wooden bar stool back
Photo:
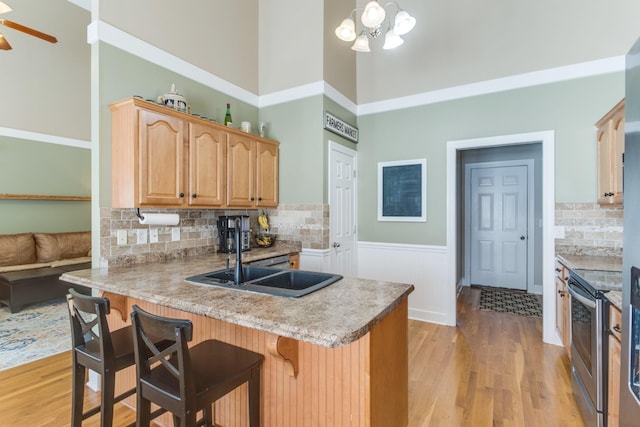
(186, 380)
(98, 349)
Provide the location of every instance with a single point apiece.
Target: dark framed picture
(402, 190)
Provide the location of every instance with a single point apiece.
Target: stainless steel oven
(588, 346)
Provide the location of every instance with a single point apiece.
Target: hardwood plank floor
(492, 370)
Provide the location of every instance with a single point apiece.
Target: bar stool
(186, 380)
(98, 349)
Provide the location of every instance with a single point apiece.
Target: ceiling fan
(4, 44)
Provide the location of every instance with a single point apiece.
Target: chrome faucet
(238, 274)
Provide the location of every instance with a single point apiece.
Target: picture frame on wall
(402, 190)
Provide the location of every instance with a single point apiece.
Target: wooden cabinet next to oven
(615, 340)
(563, 308)
(610, 148)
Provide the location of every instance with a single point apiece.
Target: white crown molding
(85, 4)
(42, 137)
(99, 30)
(551, 75)
(305, 91)
(291, 94)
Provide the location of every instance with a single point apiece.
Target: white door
(342, 209)
(499, 220)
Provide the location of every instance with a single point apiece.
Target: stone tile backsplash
(589, 229)
(198, 233)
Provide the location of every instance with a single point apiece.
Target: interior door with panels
(499, 225)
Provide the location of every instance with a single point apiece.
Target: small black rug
(510, 301)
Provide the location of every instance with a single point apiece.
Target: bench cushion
(16, 249)
(56, 246)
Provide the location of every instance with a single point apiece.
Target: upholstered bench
(31, 265)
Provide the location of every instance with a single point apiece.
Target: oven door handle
(586, 301)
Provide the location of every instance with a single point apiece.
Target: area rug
(37, 331)
(510, 301)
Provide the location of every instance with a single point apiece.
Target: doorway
(455, 217)
(342, 209)
(499, 211)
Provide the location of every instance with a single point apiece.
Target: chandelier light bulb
(404, 23)
(373, 14)
(362, 43)
(392, 40)
(4, 8)
(347, 30)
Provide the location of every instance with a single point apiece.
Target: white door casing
(547, 138)
(342, 209)
(499, 226)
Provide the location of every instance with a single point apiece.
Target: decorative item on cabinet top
(174, 100)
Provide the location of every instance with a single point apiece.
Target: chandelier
(373, 16)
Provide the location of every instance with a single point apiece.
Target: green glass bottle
(227, 116)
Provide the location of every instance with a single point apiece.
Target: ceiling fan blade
(28, 30)
(4, 44)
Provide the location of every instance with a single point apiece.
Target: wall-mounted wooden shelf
(45, 197)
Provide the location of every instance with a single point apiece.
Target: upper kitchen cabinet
(610, 143)
(165, 158)
(252, 170)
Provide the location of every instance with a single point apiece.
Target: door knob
(336, 245)
(522, 237)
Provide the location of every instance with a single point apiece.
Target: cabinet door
(615, 337)
(559, 308)
(267, 174)
(604, 163)
(207, 168)
(294, 261)
(617, 151)
(161, 159)
(241, 169)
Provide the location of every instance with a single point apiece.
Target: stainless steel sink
(250, 273)
(272, 281)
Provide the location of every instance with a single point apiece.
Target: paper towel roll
(160, 219)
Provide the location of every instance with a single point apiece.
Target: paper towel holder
(138, 214)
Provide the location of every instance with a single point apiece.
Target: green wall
(31, 167)
(569, 108)
(297, 125)
(122, 75)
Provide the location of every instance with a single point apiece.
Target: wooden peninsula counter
(335, 357)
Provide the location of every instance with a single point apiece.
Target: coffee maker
(227, 230)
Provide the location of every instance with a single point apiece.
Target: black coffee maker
(227, 230)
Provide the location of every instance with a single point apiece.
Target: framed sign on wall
(402, 190)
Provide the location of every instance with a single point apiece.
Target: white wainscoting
(315, 260)
(425, 267)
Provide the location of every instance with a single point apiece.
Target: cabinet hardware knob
(522, 237)
(259, 198)
(253, 198)
(336, 245)
(181, 194)
(194, 195)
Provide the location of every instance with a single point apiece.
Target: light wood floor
(492, 370)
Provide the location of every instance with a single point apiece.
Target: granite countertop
(333, 316)
(590, 262)
(603, 271)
